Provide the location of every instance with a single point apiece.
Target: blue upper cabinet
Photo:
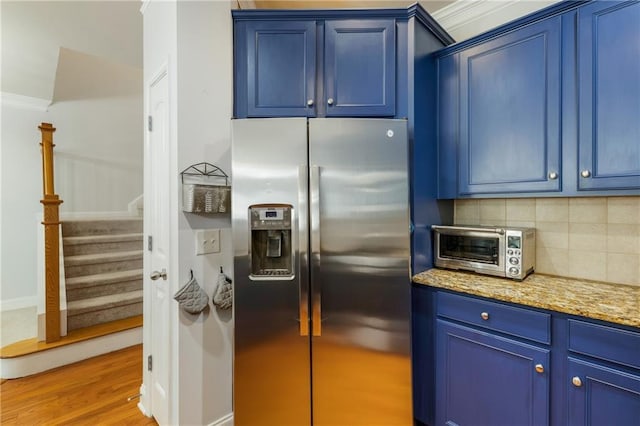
(313, 67)
(281, 68)
(548, 105)
(359, 67)
(609, 95)
(510, 102)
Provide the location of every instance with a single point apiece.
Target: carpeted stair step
(97, 263)
(97, 310)
(101, 227)
(88, 286)
(89, 244)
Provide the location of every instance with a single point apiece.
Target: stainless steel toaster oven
(505, 252)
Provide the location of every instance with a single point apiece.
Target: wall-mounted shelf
(205, 189)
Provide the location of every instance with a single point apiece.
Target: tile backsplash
(596, 238)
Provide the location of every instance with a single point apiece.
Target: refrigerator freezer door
(271, 347)
(360, 272)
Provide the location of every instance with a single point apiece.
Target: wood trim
(29, 346)
(51, 203)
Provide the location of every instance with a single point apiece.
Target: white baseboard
(18, 303)
(223, 421)
(141, 407)
(13, 368)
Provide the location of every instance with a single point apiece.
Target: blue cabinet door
(281, 68)
(510, 106)
(484, 379)
(359, 67)
(609, 95)
(602, 396)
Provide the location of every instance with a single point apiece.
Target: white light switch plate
(207, 241)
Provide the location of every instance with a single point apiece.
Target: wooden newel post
(51, 223)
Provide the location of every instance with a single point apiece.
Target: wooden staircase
(103, 270)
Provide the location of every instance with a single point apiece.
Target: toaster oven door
(471, 249)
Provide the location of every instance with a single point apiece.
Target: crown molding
(24, 102)
(463, 12)
(467, 12)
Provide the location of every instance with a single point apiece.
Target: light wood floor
(90, 392)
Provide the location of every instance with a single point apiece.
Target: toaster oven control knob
(514, 260)
(509, 252)
(514, 271)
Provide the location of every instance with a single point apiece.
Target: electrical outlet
(207, 241)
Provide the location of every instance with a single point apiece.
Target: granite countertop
(616, 303)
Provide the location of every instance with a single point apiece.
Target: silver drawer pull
(540, 368)
(484, 316)
(576, 381)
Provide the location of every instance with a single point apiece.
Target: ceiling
(37, 37)
(34, 32)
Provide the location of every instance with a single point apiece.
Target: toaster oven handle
(467, 228)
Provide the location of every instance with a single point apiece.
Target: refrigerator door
(271, 348)
(360, 283)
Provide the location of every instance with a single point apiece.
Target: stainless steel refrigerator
(320, 219)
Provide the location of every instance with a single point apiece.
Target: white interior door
(158, 229)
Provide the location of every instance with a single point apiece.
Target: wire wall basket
(205, 189)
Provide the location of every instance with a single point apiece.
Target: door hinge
(149, 363)
(150, 243)
(150, 123)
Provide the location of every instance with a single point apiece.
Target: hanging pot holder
(191, 297)
(223, 296)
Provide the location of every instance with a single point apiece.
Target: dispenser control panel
(271, 250)
(271, 218)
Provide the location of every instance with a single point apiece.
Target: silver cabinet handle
(576, 381)
(484, 316)
(330, 101)
(310, 103)
(303, 280)
(316, 284)
(540, 368)
(553, 175)
(585, 173)
(156, 275)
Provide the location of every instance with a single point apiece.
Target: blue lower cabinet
(485, 379)
(483, 373)
(600, 395)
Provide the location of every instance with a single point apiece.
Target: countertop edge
(547, 292)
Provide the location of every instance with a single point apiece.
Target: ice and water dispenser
(271, 251)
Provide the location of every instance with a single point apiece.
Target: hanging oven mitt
(223, 296)
(191, 297)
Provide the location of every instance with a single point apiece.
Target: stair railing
(51, 222)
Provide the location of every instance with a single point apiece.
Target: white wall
(97, 164)
(97, 110)
(21, 182)
(195, 40)
(205, 69)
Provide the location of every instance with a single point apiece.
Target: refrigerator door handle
(303, 240)
(316, 290)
